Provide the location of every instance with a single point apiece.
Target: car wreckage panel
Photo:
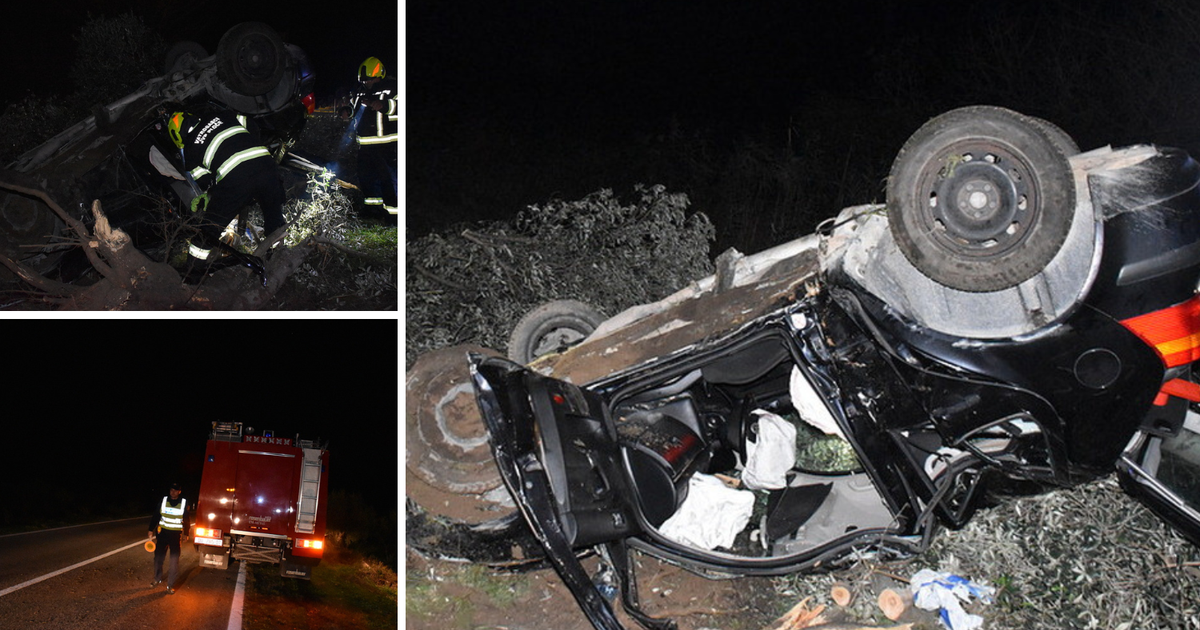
(673, 393)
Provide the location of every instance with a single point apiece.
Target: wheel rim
(982, 199)
(557, 340)
(450, 470)
(255, 56)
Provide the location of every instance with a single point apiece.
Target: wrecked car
(122, 156)
(1018, 314)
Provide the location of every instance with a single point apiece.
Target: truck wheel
(550, 328)
(449, 470)
(251, 58)
(981, 198)
(182, 55)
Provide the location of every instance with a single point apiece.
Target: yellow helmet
(371, 68)
(173, 125)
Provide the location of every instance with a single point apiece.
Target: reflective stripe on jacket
(172, 517)
(217, 145)
(382, 127)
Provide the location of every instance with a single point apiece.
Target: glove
(199, 203)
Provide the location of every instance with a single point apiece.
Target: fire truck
(262, 499)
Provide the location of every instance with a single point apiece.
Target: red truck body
(262, 499)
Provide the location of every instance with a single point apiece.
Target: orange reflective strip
(1173, 332)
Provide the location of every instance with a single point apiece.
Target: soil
(442, 594)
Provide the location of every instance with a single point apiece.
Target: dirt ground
(442, 595)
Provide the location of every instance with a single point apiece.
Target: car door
(556, 448)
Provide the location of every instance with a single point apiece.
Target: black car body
(122, 156)
(937, 393)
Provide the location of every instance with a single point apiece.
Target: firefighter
(377, 113)
(171, 525)
(229, 163)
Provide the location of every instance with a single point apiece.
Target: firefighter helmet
(173, 125)
(371, 68)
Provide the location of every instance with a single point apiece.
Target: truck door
(264, 488)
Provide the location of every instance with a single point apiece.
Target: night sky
(119, 409)
(337, 37)
(511, 104)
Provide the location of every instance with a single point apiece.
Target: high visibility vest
(172, 517)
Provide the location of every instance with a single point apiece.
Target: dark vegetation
(114, 56)
(364, 524)
(472, 286)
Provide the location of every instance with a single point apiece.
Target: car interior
(702, 421)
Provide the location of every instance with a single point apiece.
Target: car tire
(981, 198)
(449, 469)
(1060, 138)
(181, 55)
(251, 58)
(550, 328)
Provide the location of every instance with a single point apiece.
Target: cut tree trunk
(132, 281)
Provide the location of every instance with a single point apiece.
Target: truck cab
(262, 499)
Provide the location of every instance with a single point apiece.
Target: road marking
(53, 529)
(239, 593)
(73, 566)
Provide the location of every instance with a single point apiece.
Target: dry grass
(1088, 557)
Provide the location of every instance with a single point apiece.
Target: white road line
(73, 566)
(239, 594)
(54, 529)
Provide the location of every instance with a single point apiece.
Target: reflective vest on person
(172, 517)
(215, 145)
(380, 127)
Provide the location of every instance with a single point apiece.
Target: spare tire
(182, 55)
(981, 198)
(550, 328)
(251, 58)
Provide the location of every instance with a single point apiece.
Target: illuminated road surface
(111, 592)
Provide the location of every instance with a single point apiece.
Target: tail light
(309, 102)
(310, 544)
(1174, 333)
(208, 536)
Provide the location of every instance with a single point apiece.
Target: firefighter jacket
(216, 144)
(379, 127)
(172, 515)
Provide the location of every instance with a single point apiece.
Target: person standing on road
(171, 524)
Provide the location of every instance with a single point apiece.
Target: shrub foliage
(472, 285)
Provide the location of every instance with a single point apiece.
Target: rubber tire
(251, 58)
(178, 54)
(926, 156)
(570, 316)
(1060, 138)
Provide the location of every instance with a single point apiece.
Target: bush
(472, 286)
(114, 57)
(362, 527)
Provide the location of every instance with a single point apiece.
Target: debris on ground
(945, 593)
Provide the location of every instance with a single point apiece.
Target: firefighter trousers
(167, 539)
(256, 180)
(377, 176)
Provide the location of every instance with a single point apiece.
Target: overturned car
(121, 154)
(1017, 313)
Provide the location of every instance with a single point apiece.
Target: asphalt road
(111, 592)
